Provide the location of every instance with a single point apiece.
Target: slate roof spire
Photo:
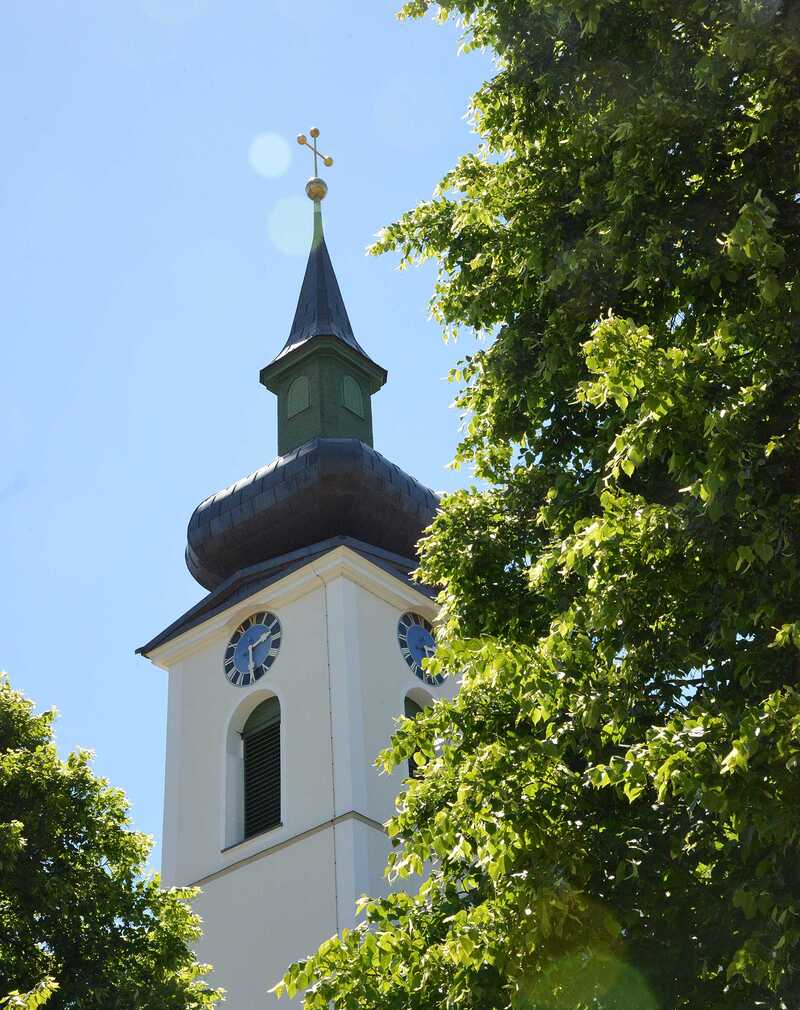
(320, 308)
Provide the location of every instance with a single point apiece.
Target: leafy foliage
(610, 808)
(31, 1000)
(81, 927)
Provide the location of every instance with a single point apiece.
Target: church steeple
(323, 378)
(328, 481)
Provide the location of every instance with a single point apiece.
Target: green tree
(610, 810)
(81, 926)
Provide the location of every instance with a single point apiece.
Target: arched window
(299, 396)
(261, 738)
(352, 397)
(411, 711)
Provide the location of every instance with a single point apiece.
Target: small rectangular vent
(262, 780)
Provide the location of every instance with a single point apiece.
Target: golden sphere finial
(301, 139)
(314, 131)
(328, 161)
(316, 189)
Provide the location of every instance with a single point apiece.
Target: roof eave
(248, 581)
(290, 356)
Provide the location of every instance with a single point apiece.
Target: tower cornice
(270, 374)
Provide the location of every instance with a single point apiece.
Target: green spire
(318, 235)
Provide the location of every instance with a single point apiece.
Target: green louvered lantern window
(299, 398)
(262, 768)
(412, 710)
(352, 397)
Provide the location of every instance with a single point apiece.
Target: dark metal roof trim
(257, 577)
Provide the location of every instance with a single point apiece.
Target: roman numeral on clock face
(416, 642)
(259, 635)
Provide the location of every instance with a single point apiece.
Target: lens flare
(592, 972)
(585, 979)
(289, 225)
(269, 155)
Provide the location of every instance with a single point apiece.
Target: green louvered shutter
(262, 768)
(412, 710)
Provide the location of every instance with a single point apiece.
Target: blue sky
(151, 259)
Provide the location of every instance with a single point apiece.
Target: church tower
(286, 678)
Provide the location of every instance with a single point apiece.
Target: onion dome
(328, 487)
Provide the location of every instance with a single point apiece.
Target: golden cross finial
(302, 140)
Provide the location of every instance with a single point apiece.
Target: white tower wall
(341, 682)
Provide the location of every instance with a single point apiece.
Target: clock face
(252, 649)
(415, 637)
